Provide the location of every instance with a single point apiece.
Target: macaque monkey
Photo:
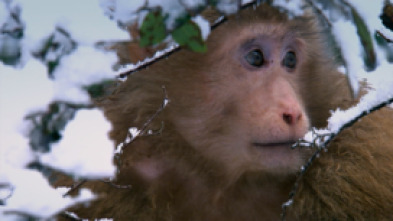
(224, 147)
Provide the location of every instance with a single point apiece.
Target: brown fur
(195, 171)
(353, 180)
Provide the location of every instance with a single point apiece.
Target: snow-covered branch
(319, 139)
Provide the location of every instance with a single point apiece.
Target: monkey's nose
(291, 117)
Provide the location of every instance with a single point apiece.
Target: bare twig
(388, 40)
(163, 105)
(74, 187)
(144, 131)
(117, 186)
(326, 138)
(79, 184)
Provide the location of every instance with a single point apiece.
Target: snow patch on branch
(381, 83)
(31, 193)
(383, 92)
(80, 155)
(133, 67)
(75, 72)
(204, 25)
(293, 6)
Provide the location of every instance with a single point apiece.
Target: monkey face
(249, 111)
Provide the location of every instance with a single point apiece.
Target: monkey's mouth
(288, 143)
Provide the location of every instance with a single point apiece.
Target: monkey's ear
(143, 171)
(150, 168)
(141, 163)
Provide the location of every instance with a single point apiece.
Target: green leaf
(189, 36)
(153, 29)
(366, 40)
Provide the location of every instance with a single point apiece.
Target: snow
(122, 10)
(75, 71)
(127, 12)
(26, 88)
(31, 194)
(133, 133)
(190, 4)
(382, 81)
(21, 91)
(345, 34)
(3, 13)
(370, 14)
(315, 137)
(83, 19)
(380, 78)
(204, 25)
(73, 154)
(294, 6)
(227, 6)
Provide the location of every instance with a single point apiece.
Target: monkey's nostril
(288, 118)
(291, 117)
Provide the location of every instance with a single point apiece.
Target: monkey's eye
(255, 58)
(290, 60)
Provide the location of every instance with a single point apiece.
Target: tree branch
(388, 40)
(160, 55)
